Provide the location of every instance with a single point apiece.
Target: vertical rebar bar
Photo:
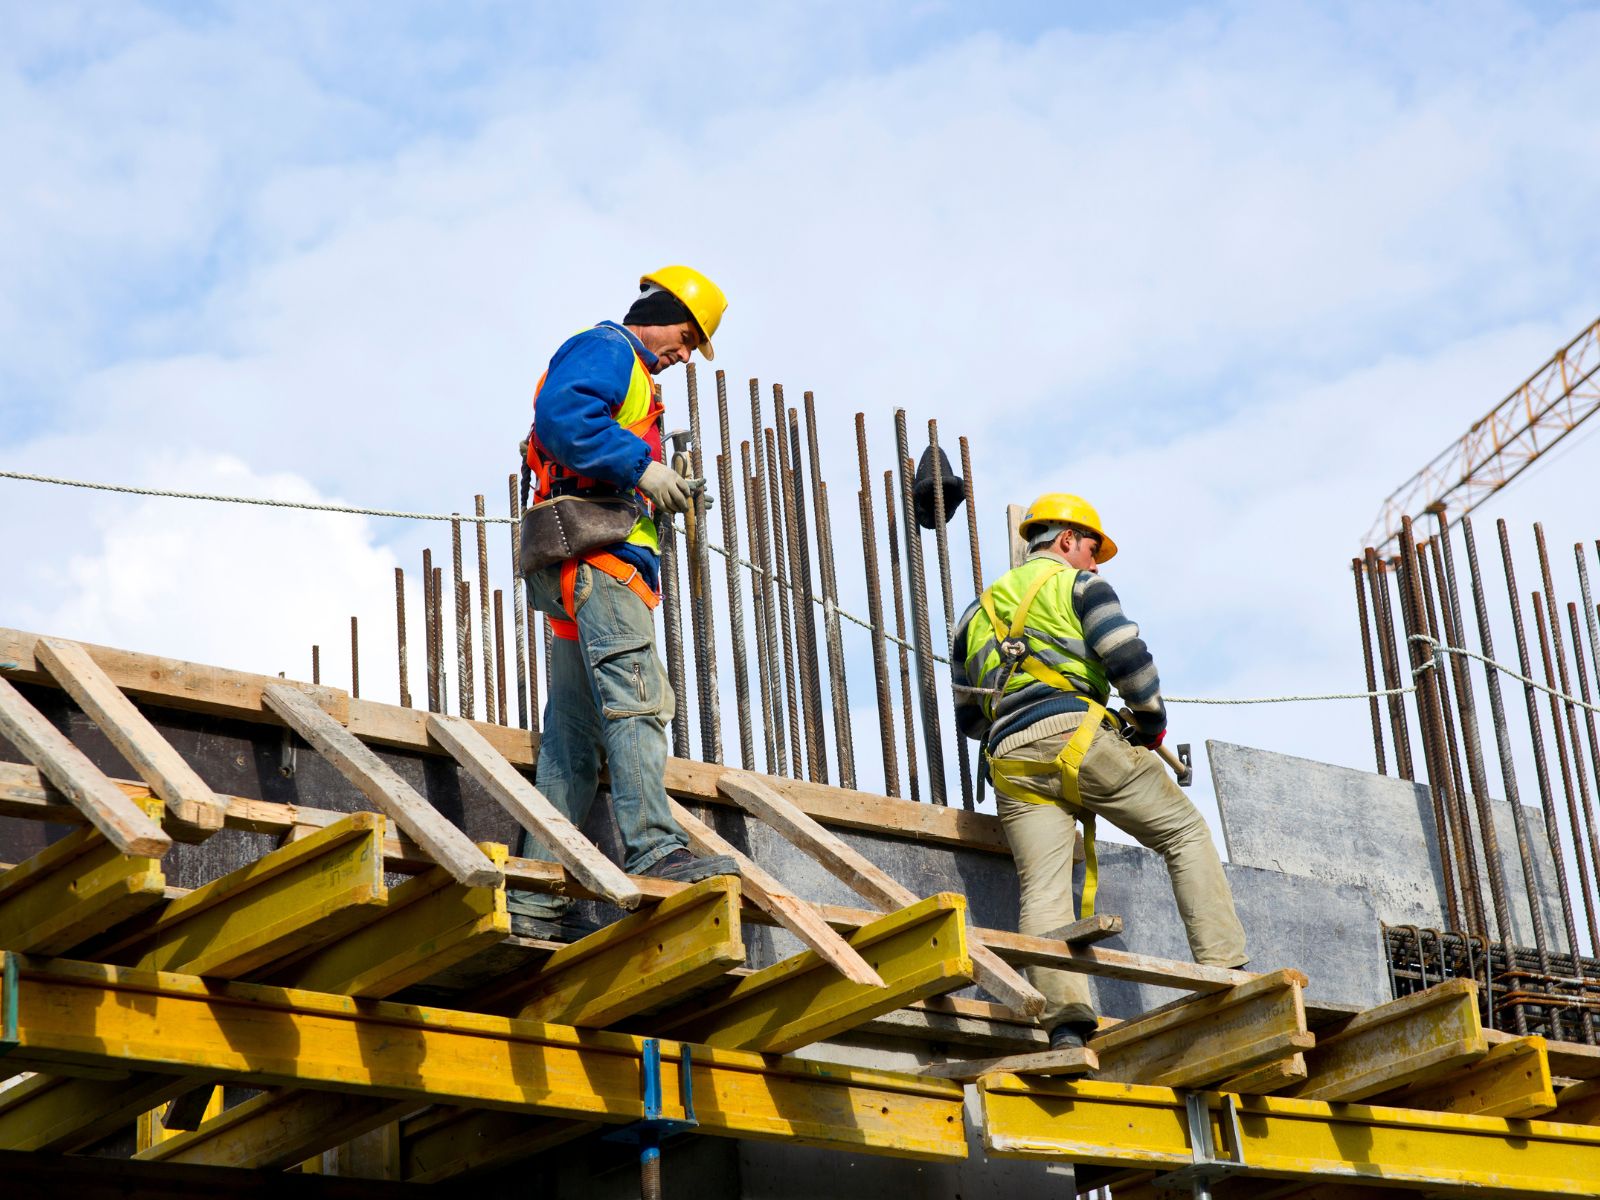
(316, 663)
(765, 584)
(730, 542)
(1357, 570)
(765, 623)
(1415, 614)
(1383, 619)
(977, 563)
(672, 626)
(880, 657)
(484, 600)
(500, 656)
(1589, 726)
(519, 610)
(549, 656)
(355, 660)
(400, 635)
(772, 536)
(941, 541)
(1541, 768)
(464, 688)
(438, 640)
(429, 654)
(805, 625)
(702, 622)
(889, 506)
(922, 636)
(838, 684)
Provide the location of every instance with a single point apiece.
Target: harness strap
(601, 560)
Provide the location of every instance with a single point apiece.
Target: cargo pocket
(630, 680)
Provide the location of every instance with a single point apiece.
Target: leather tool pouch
(566, 527)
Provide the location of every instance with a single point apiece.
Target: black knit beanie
(657, 306)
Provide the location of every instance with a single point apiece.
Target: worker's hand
(1132, 733)
(668, 491)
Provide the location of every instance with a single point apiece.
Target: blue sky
(1234, 271)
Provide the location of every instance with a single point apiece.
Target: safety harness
(1014, 652)
(623, 572)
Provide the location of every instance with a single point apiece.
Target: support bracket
(1206, 1166)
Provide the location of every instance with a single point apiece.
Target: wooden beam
(107, 809)
(389, 793)
(1419, 1037)
(56, 1113)
(1275, 1077)
(1210, 1038)
(442, 1143)
(1578, 1103)
(276, 1130)
(919, 951)
(533, 811)
(783, 906)
(1080, 1060)
(868, 880)
(643, 961)
(1511, 1080)
(190, 802)
(273, 1037)
(74, 889)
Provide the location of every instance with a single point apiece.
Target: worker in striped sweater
(1035, 659)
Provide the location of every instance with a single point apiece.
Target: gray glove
(668, 491)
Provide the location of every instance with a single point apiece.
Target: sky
(1232, 271)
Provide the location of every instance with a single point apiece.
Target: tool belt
(1066, 764)
(624, 573)
(572, 526)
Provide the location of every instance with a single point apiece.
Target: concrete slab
(1342, 826)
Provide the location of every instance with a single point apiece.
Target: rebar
(775, 672)
(1541, 767)
(316, 663)
(400, 635)
(355, 660)
(976, 560)
(921, 634)
(672, 625)
(519, 610)
(1357, 571)
(730, 539)
(889, 506)
(941, 541)
(838, 685)
(702, 622)
(805, 624)
(430, 652)
(464, 685)
(758, 602)
(500, 655)
(1588, 714)
(438, 639)
(880, 657)
(549, 656)
(484, 599)
(783, 593)
(1383, 618)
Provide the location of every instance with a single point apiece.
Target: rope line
(1437, 646)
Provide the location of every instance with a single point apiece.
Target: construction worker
(596, 434)
(1035, 658)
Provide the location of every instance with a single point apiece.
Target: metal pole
(1383, 618)
(400, 635)
(701, 622)
(900, 633)
(1357, 569)
(805, 628)
(429, 670)
(355, 661)
(880, 657)
(672, 624)
(781, 593)
(519, 610)
(438, 640)
(766, 593)
(941, 541)
(484, 601)
(922, 636)
(316, 663)
(464, 688)
(976, 559)
(500, 656)
(766, 635)
(838, 686)
(730, 541)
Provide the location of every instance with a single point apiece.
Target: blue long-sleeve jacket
(575, 417)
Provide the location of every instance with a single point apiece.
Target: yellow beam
(1411, 1040)
(55, 1113)
(1274, 1077)
(1578, 1103)
(74, 889)
(918, 951)
(277, 1129)
(1131, 1126)
(1512, 1080)
(294, 899)
(645, 960)
(97, 1015)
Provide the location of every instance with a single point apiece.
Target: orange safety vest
(639, 414)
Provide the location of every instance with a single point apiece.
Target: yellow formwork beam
(918, 951)
(59, 1113)
(294, 899)
(647, 959)
(429, 924)
(74, 889)
(276, 1129)
(1136, 1126)
(93, 1014)
(1512, 1080)
(1578, 1103)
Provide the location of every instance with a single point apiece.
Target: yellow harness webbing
(1072, 754)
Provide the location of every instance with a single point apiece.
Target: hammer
(1180, 760)
(682, 441)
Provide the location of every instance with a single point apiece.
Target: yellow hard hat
(1074, 510)
(700, 296)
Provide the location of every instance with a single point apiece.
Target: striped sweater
(1112, 639)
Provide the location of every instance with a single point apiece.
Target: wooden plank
(1511, 1080)
(277, 1129)
(152, 757)
(1416, 1038)
(59, 1114)
(868, 880)
(268, 1036)
(1080, 1060)
(1267, 1080)
(533, 812)
(108, 810)
(443, 1143)
(919, 951)
(378, 782)
(1210, 1038)
(1578, 1103)
(1570, 1060)
(73, 890)
(644, 961)
(782, 905)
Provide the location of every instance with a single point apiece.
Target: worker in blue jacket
(597, 431)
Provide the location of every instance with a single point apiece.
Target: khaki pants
(1131, 788)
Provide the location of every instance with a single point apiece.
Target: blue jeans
(608, 695)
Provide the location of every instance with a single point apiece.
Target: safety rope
(1437, 646)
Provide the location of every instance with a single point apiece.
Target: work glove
(668, 491)
(1132, 734)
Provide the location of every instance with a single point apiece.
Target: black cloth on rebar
(922, 488)
(659, 307)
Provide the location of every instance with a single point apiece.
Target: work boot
(682, 867)
(566, 927)
(1074, 1035)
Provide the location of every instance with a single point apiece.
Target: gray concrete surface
(1306, 818)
